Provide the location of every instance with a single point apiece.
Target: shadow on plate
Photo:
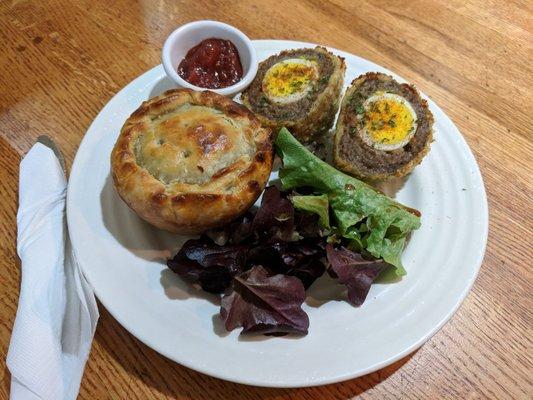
(158, 375)
(391, 186)
(324, 290)
(218, 326)
(135, 234)
(162, 85)
(262, 338)
(177, 289)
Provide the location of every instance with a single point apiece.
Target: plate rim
(316, 381)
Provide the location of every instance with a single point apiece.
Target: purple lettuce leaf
(236, 232)
(301, 259)
(353, 271)
(275, 217)
(265, 304)
(306, 224)
(212, 266)
(308, 273)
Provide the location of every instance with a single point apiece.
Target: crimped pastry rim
(207, 206)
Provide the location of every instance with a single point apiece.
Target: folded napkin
(57, 312)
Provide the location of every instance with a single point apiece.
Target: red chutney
(212, 64)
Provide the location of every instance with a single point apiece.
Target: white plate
(123, 259)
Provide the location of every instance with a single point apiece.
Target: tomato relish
(212, 64)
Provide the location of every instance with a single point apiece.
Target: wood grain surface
(61, 61)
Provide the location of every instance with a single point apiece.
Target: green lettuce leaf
(315, 204)
(371, 221)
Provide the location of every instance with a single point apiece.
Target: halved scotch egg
(299, 89)
(384, 128)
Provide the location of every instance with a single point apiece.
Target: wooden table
(61, 61)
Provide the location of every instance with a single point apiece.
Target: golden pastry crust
(189, 161)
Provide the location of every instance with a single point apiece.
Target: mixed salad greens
(373, 223)
(322, 220)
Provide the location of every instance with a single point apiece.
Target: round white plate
(123, 258)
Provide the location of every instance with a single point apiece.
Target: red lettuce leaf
(275, 217)
(265, 304)
(352, 270)
(307, 225)
(236, 232)
(212, 266)
(301, 259)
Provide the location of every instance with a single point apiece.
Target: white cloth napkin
(57, 312)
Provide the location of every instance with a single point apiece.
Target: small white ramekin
(189, 35)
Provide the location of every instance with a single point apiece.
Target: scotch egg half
(299, 89)
(384, 128)
(290, 80)
(389, 121)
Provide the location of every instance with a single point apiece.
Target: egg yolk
(289, 77)
(389, 120)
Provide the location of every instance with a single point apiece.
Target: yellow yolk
(389, 121)
(289, 80)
